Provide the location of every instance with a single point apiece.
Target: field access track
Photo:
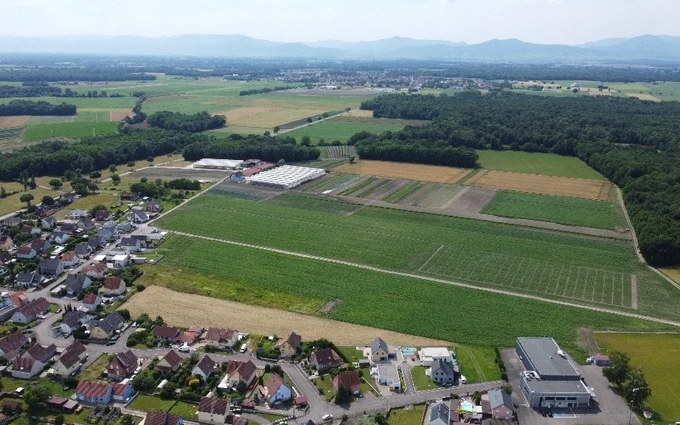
(547, 185)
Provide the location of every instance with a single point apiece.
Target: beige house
(213, 410)
(289, 346)
(70, 359)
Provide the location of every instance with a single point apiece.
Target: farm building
(429, 354)
(286, 176)
(551, 378)
(599, 360)
(218, 164)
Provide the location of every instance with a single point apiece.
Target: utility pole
(634, 390)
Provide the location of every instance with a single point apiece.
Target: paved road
(432, 279)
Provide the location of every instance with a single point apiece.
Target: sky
(470, 21)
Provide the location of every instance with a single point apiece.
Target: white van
(244, 348)
(184, 348)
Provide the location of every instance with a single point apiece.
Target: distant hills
(645, 48)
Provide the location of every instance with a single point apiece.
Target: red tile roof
(216, 406)
(32, 309)
(326, 358)
(90, 389)
(349, 380)
(90, 299)
(19, 299)
(273, 384)
(72, 354)
(244, 369)
(11, 343)
(23, 364)
(113, 283)
(119, 389)
(169, 362)
(219, 335)
(69, 256)
(42, 353)
(160, 418)
(165, 332)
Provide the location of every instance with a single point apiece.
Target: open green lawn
(330, 130)
(421, 381)
(563, 266)
(368, 297)
(95, 370)
(548, 164)
(71, 130)
(657, 355)
(185, 410)
(404, 416)
(147, 403)
(351, 354)
(324, 384)
(477, 363)
(555, 209)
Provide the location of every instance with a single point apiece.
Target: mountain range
(645, 48)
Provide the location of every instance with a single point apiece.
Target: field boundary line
(420, 269)
(431, 279)
(636, 246)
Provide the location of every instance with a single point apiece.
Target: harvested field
(344, 118)
(673, 273)
(14, 121)
(235, 115)
(399, 170)
(360, 113)
(547, 185)
(644, 96)
(472, 200)
(119, 114)
(266, 117)
(178, 308)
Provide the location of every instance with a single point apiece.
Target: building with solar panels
(551, 378)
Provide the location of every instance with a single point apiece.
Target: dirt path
(180, 309)
(587, 340)
(433, 279)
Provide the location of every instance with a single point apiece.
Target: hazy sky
(472, 21)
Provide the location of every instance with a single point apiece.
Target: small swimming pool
(467, 406)
(409, 351)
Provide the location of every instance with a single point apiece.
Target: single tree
(636, 389)
(3, 192)
(276, 129)
(59, 420)
(309, 120)
(476, 397)
(619, 366)
(131, 164)
(23, 179)
(95, 175)
(56, 184)
(507, 388)
(149, 159)
(343, 396)
(32, 183)
(115, 179)
(113, 168)
(267, 133)
(306, 141)
(351, 159)
(36, 396)
(47, 200)
(27, 197)
(348, 109)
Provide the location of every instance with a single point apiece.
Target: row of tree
(192, 123)
(84, 73)
(28, 107)
(266, 148)
(93, 153)
(264, 90)
(42, 89)
(634, 143)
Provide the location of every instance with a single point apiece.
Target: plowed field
(15, 121)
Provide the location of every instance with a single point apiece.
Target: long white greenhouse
(286, 176)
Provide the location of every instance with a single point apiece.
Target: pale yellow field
(13, 203)
(14, 121)
(400, 170)
(88, 202)
(672, 272)
(361, 113)
(547, 185)
(266, 117)
(645, 96)
(180, 309)
(119, 114)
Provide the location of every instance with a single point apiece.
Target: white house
(213, 410)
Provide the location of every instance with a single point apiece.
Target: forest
(192, 123)
(634, 143)
(58, 73)
(271, 149)
(28, 107)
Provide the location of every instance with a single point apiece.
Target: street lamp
(634, 390)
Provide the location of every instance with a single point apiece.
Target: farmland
(430, 173)
(547, 185)
(14, 121)
(303, 285)
(579, 269)
(331, 129)
(71, 130)
(657, 355)
(537, 163)
(556, 209)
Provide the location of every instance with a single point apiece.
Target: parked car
(327, 417)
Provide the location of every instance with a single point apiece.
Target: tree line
(193, 123)
(634, 143)
(265, 90)
(85, 73)
(266, 148)
(93, 153)
(28, 107)
(42, 89)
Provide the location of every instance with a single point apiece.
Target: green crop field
(83, 102)
(368, 297)
(70, 130)
(556, 209)
(556, 266)
(658, 356)
(340, 130)
(548, 164)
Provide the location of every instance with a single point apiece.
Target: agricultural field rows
(420, 172)
(369, 298)
(70, 130)
(547, 164)
(587, 270)
(556, 209)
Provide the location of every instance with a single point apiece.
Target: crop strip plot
(633, 291)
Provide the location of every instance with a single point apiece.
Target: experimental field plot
(397, 170)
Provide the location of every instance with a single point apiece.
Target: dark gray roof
(74, 319)
(129, 242)
(49, 266)
(378, 343)
(441, 365)
(110, 323)
(499, 398)
(439, 411)
(96, 241)
(544, 358)
(30, 278)
(75, 282)
(82, 249)
(553, 387)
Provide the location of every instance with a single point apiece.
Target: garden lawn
(555, 209)
(403, 416)
(477, 363)
(351, 354)
(95, 370)
(421, 381)
(147, 403)
(185, 410)
(325, 383)
(549, 164)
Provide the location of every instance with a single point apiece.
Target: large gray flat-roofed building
(551, 379)
(544, 356)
